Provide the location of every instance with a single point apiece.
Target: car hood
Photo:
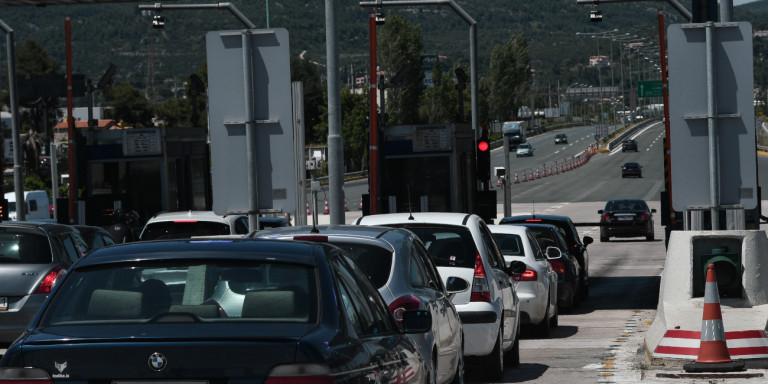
(21, 279)
(99, 357)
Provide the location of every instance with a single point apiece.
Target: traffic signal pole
(373, 157)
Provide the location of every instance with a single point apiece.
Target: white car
(462, 245)
(537, 286)
(186, 224)
(524, 149)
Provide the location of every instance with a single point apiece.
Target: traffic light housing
(4, 209)
(483, 167)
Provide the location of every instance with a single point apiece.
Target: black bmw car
(142, 313)
(626, 218)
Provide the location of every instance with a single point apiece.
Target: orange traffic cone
(308, 212)
(327, 211)
(713, 350)
(361, 203)
(524, 178)
(498, 183)
(516, 179)
(345, 206)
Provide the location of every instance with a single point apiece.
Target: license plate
(3, 303)
(624, 218)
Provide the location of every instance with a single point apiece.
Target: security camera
(595, 16)
(158, 22)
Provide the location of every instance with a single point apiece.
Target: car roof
(447, 218)
(193, 215)
(626, 200)
(328, 230)
(534, 217)
(630, 164)
(532, 225)
(39, 225)
(299, 252)
(512, 229)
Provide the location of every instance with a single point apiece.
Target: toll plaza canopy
(43, 3)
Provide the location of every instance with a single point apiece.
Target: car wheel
(493, 364)
(458, 376)
(623, 175)
(512, 357)
(555, 320)
(649, 237)
(543, 328)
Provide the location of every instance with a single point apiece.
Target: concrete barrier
(676, 331)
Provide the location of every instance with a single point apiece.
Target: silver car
(33, 258)
(537, 286)
(399, 265)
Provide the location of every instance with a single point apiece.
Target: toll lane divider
(555, 168)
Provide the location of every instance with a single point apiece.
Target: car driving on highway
(561, 138)
(631, 169)
(524, 149)
(626, 218)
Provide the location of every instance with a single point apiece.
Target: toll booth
(428, 168)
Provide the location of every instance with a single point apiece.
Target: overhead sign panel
(652, 88)
(734, 115)
(272, 106)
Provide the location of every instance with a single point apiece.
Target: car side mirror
(418, 321)
(516, 267)
(553, 253)
(600, 211)
(455, 285)
(588, 240)
(653, 210)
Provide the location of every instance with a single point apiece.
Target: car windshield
(544, 236)
(375, 261)
(24, 248)
(185, 291)
(449, 246)
(183, 229)
(510, 244)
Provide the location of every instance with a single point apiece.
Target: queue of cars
(406, 297)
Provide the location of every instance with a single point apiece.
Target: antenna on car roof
(410, 208)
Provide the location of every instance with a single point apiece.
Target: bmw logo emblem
(157, 361)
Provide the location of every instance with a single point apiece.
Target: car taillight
(50, 280)
(558, 266)
(645, 216)
(25, 375)
(402, 304)
(605, 217)
(480, 289)
(528, 275)
(299, 374)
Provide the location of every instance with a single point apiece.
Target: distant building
(598, 61)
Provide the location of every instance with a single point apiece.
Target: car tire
(623, 175)
(555, 320)
(458, 376)
(543, 329)
(493, 364)
(649, 237)
(512, 357)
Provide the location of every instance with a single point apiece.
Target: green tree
(509, 76)
(130, 105)
(400, 47)
(304, 70)
(440, 102)
(354, 128)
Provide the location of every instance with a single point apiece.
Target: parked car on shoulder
(33, 258)
(186, 224)
(631, 169)
(626, 218)
(577, 245)
(566, 266)
(536, 287)
(561, 138)
(141, 312)
(462, 245)
(400, 267)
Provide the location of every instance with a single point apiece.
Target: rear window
(375, 261)
(183, 229)
(448, 246)
(24, 248)
(186, 292)
(510, 244)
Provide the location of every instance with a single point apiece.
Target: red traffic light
(483, 145)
